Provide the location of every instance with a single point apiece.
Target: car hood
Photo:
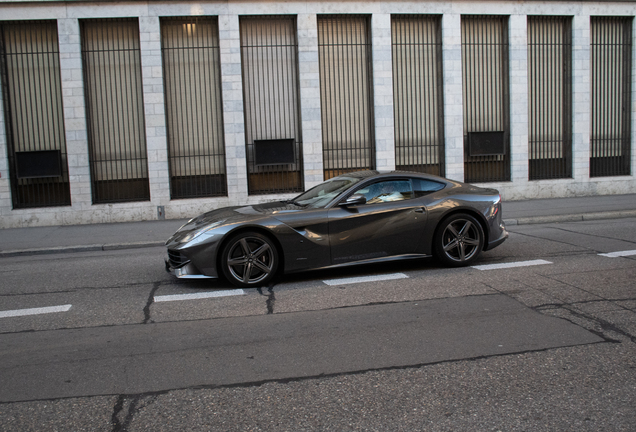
(243, 213)
(234, 215)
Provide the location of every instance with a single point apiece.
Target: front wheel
(459, 240)
(249, 260)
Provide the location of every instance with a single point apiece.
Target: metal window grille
(346, 97)
(269, 55)
(194, 108)
(32, 90)
(114, 109)
(611, 64)
(486, 98)
(550, 98)
(417, 93)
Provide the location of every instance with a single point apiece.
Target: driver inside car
(384, 192)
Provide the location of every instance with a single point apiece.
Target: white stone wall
(148, 12)
(581, 117)
(453, 99)
(74, 123)
(5, 186)
(154, 109)
(309, 78)
(233, 114)
(633, 171)
(383, 92)
(518, 61)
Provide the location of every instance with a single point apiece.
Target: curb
(137, 245)
(85, 248)
(571, 217)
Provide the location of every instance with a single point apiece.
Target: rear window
(423, 187)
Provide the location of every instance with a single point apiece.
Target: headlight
(194, 234)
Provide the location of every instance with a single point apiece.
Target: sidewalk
(129, 235)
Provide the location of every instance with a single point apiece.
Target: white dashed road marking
(34, 311)
(511, 265)
(209, 294)
(619, 254)
(376, 278)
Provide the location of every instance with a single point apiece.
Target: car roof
(368, 174)
(371, 175)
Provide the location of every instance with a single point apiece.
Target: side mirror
(355, 199)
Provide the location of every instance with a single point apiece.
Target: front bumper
(185, 271)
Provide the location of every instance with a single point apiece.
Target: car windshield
(321, 195)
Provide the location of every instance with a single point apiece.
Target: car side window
(423, 187)
(387, 191)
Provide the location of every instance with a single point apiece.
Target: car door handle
(420, 209)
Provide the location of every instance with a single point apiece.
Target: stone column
(633, 165)
(310, 99)
(5, 187)
(581, 97)
(154, 110)
(233, 114)
(75, 121)
(453, 100)
(383, 92)
(518, 73)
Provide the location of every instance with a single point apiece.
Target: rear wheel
(249, 260)
(459, 240)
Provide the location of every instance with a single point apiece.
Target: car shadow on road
(362, 270)
(401, 266)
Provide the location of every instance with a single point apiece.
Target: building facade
(141, 110)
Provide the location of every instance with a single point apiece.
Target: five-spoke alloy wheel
(459, 239)
(249, 259)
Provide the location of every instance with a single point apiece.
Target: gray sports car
(355, 218)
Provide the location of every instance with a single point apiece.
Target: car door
(307, 246)
(390, 223)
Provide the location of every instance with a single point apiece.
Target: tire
(459, 240)
(249, 260)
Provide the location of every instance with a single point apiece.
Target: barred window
(486, 98)
(115, 110)
(194, 107)
(611, 75)
(550, 98)
(32, 93)
(273, 138)
(346, 97)
(417, 93)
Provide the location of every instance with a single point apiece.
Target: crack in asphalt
(151, 299)
(593, 235)
(119, 405)
(553, 240)
(271, 297)
(572, 244)
(600, 297)
(135, 398)
(80, 289)
(133, 407)
(271, 301)
(605, 325)
(572, 285)
(71, 291)
(605, 300)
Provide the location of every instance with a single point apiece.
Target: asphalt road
(406, 346)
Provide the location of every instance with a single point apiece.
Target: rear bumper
(494, 243)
